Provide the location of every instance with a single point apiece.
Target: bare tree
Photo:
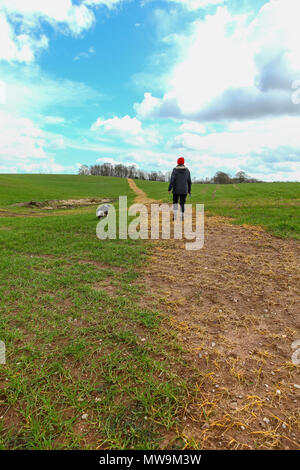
(241, 177)
(84, 170)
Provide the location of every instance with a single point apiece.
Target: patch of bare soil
(235, 308)
(44, 207)
(63, 204)
(105, 286)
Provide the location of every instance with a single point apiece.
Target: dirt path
(141, 196)
(234, 306)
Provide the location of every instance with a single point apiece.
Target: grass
(24, 188)
(274, 206)
(93, 364)
(87, 365)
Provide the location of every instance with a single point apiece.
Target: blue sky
(144, 82)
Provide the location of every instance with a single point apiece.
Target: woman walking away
(181, 184)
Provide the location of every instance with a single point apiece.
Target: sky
(144, 82)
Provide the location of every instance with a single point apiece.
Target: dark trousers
(182, 198)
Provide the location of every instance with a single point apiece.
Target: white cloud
(85, 55)
(116, 161)
(215, 61)
(127, 128)
(30, 101)
(196, 4)
(234, 73)
(110, 4)
(119, 126)
(193, 127)
(29, 98)
(245, 138)
(2, 92)
(54, 120)
(151, 159)
(46, 167)
(20, 24)
(20, 139)
(22, 47)
(266, 149)
(75, 17)
(113, 161)
(30, 92)
(148, 106)
(27, 148)
(232, 68)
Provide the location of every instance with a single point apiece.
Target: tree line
(223, 178)
(123, 171)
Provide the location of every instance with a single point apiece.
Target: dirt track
(235, 308)
(42, 209)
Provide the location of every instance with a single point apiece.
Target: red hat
(180, 161)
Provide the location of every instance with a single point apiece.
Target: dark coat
(180, 182)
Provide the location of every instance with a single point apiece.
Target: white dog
(102, 211)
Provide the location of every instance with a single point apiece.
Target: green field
(88, 366)
(274, 206)
(23, 188)
(71, 319)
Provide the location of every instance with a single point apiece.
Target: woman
(181, 184)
